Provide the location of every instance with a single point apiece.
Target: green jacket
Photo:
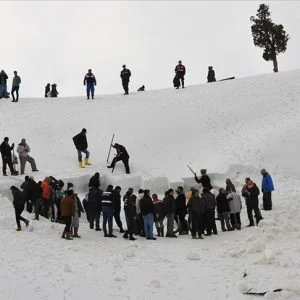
(16, 80)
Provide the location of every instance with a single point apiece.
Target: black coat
(6, 151)
(211, 76)
(222, 203)
(181, 204)
(117, 200)
(80, 141)
(159, 211)
(196, 206)
(253, 194)
(19, 198)
(146, 205)
(34, 191)
(205, 181)
(125, 75)
(122, 152)
(169, 204)
(95, 199)
(129, 205)
(209, 201)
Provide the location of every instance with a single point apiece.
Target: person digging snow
(122, 155)
(81, 145)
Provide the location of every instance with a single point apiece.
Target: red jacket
(46, 190)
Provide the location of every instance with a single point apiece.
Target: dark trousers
(36, 208)
(250, 208)
(125, 162)
(130, 225)
(68, 222)
(181, 78)
(90, 90)
(13, 90)
(118, 219)
(267, 200)
(140, 225)
(224, 219)
(181, 222)
(107, 218)
(46, 206)
(6, 162)
(18, 212)
(94, 217)
(125, 84)
(210, 221)
(87, 210)
(235, 219)
(197, 224)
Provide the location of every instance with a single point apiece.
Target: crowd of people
(90, 82)
(193, 211)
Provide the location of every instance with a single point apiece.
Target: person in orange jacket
(46, 195)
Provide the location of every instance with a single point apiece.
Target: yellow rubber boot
(87, 163)
(81, 165)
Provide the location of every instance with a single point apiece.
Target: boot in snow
(81, 165)
(19, 229)
(68, 236)
(76, 233)
(87, 163)
(63, 236)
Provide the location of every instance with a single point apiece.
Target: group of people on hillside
(90, 82)
(15, 86)
(10, 160)
(49, 199)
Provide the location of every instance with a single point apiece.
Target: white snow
(231, 128)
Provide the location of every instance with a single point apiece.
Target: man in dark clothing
(196, 207)
(204, 179)
(122, 155)
(130, 213)
(35, 196)
(95, 180)
(211, 75)
(90, 82)
(54, 93)
(18, 202)
(251, 192)
(223, 209)
(170, 210)
(6, 149)
(24, 187)
(181, 211)
(107, 207)
(47, 90)
(3, 85)
(94, 198)
(81, 145)
(209, 215)
(15, 87)
(117, 207)
(125, 76)
(147, 210)
(180, 72)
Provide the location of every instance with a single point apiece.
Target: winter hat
(83, 130)
(70, 186)
(70, 192)
(97, 174)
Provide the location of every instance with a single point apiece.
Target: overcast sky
(58, 41)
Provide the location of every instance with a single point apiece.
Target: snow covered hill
(232, 128)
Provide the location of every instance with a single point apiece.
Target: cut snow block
(156, 184)
(124, 181)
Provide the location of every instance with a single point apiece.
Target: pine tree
(268, 35)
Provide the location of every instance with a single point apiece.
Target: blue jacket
(267, 183)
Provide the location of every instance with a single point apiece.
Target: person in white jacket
(23, 149)
(235, 206)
